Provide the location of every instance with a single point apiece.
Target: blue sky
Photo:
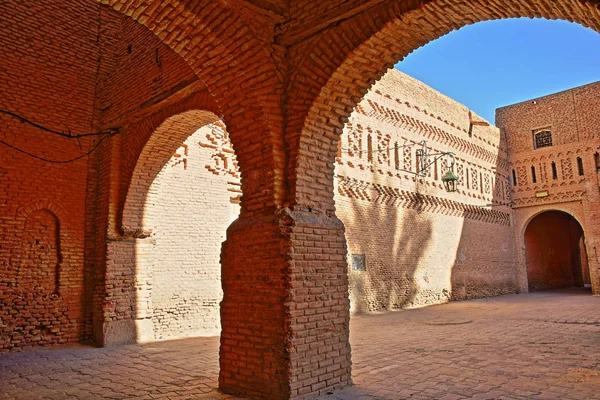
(496, 63)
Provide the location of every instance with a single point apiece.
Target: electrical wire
(55, 161)
(62, 134)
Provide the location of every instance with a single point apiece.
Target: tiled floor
(544, 345)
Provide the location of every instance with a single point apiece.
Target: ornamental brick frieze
(553, 170)
(566, 186)
(532, 157)
(377, 111)
(389, 196)
(470, 185)
(428, 114)
(552, 198)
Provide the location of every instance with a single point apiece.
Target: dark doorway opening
(555, 252)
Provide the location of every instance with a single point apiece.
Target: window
(369, 148)
(542, 138)
(358, 262)
(580, 166)
(554, 171)
(514, 176)
(533, 177)
(396, 156)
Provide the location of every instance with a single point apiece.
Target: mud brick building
(123, 85)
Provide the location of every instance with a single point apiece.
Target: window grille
(542, 139)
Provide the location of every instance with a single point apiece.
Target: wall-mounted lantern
(450, 178)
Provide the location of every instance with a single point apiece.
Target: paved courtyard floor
(544, 345)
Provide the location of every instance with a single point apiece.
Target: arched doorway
(190, 204)
(555, 252)
(184, 192)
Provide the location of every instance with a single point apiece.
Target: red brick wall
(49, 74)
(76, 68)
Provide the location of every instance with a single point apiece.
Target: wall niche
(39, 269)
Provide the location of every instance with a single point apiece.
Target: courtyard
(542, 345)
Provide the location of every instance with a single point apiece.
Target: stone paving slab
(544, 345)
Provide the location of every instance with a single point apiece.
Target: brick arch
(366, 46)
(555, 207)
(39, 267)
(39, 205)
(239, 72)
(166, 137)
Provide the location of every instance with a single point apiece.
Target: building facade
(410, 242)
(553, 144)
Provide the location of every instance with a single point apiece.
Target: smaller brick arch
(23, 215)
(239, 71)
(556, 207)
(41, 204)
(161, 146)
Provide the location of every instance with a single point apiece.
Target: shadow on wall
(411, 243)
(485, 263)
(386, 236)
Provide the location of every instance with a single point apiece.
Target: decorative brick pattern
(566, 169)
(395, 198)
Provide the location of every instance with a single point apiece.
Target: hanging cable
(62, 134)
(55, 161)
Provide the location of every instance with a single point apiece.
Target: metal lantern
(450, 179)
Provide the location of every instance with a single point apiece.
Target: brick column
(285, 310)
(519, 256)
(591, 208)
(127, 307)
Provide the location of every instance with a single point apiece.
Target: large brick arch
(238, 71)
(357, 52)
